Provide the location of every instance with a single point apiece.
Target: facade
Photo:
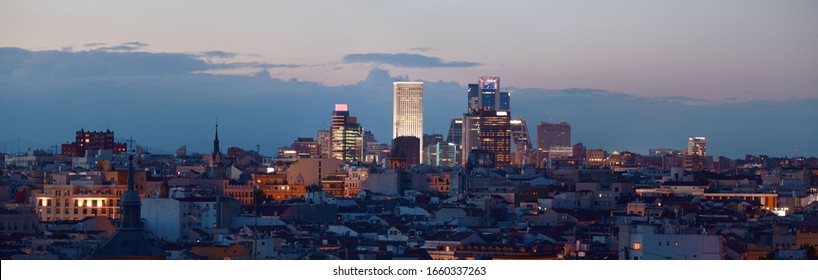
(473, 98)
(522, 142)
(92, 141)
(325, 143)
(470, 134)
(595, 158)
(408, 146)
(278, 187)
(347, 135)
(306, 147)
(697, 146)
(77, 202)
(455, 131)
(694, 158)
(495, 135)
(650, 242)
(553, 134)
(407, 118)
(489, 88)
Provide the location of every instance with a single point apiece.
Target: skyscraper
(694, 157)
(407, 118)
(473, 99)
(486, 124)
(697, 146)
(495, 135)
(521, 140)
(325, 143)
(553, 135)
(347, 141)
(504, 103)
(489, 93)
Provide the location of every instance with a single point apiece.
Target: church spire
(130, 203)
(217, 153)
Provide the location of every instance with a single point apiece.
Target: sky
(722, 62)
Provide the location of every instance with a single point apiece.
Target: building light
(637, 246)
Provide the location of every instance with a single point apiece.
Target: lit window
(637, 246)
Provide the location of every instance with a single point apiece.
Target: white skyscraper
(407, 116)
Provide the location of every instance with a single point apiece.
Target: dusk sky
(707, 57)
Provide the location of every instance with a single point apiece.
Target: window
(637, 246)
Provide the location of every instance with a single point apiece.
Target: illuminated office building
(347, 135)
(697, 146)
(521, 141)
(495, 135)
(407, 118)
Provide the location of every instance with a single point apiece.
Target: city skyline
(405, 131)
(638, 76)
(204, 145)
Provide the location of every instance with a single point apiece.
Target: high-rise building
(694, 157)
(489, 93)
(504, 103)
(470, 136)
(92, 141)
(473, 99)
(697, 146)
(407, 118)
(486, 124)
(495, 135)
(455, 131)
(521, 141)
(325, 143)
(553, 135)
(347, 141)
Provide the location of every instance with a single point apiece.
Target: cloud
(135, 43)
(422, 49)
(405, 60)
(219, 54)
(24, 65)
(684, 99)
(118, 48)
(124, 47)
(254, 65)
